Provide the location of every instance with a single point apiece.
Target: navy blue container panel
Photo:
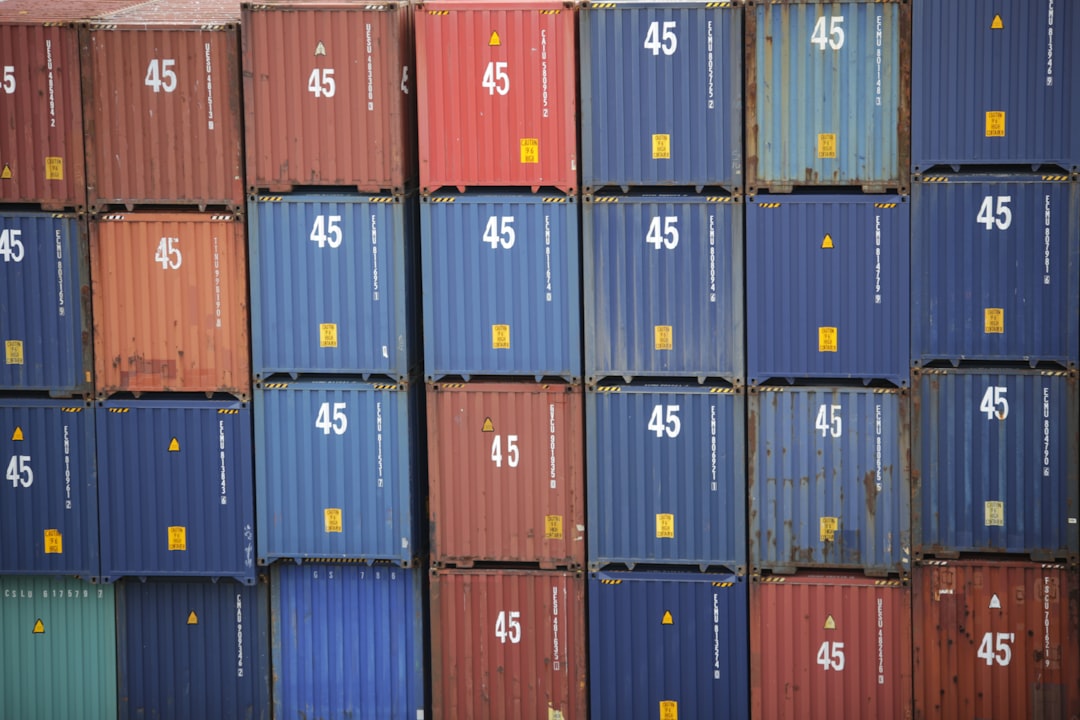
(668, 640)
(348, 642)
(663, 287)
(829, 479)
(827, 288)
(666, 476)
(995, 269)
(175, 488)
(501, 287)
(334, 284)
(997, 454)
(45, 304)
(995, 83)
(193, 649)
(661, 94)
(336, 470)
(48, 498)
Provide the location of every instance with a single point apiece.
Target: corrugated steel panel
(501, 286)
(996, 269)
(58, 658)
(506, 473)
(663, 287)
(175, 489)
(825, 646)
(827, 288)
(996, 463)
(666, 476)
(504, 112)
(1017, 59)
(829, 479)
(661, 94)
(827, 94)
(328, 94)
(996, 640)
(170, 303)
(507, 644)
(345, 302)
(49, 502)
(671, 641)
(348, 642)
(339, 470)
(195, 648)
(45, 304)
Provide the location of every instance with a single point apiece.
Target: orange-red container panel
(170, 303)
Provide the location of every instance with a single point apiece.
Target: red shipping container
(996, 640)
(161, 103)
(506, 474)
(830, 646)
(329, 94)
(508, 644)
(170, 303)
(497, 85)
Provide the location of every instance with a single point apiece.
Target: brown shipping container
(329, 94)
(170, 303)
(824, 647)
(508, 644)
(161, 102)
(996, 640)
(497, 103)
(506, 474)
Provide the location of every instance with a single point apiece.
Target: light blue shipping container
(501, 287)
(348, 642)
(668, 640)
(661, 94)
(829, 479)
(666, 476)
(338, 470)
(45, 304)
(663, 287)
(334, 284)
(995, 269)
(49, 500)
(827, 288)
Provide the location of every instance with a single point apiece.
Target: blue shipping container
(829, 479)
(175, 488)
(49, 500)
(45, 304)
(334, 284)
(193, 649)
(663, 287)
(996, 269)
(827, 94)
(501, 287)
(827, 288)
(337, 470)
(673, 641)
(348, 642)
(997, 459)
(661, 94)
(666, 476)
(995, 83)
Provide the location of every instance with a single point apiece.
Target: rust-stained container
(996, 640)
(161, 105)
(506, 465)
(329, 94)
(497, 94)
(830, 646)
(170, 303)
(508, 644)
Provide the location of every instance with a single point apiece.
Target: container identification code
(1046, 432)
(61, 309)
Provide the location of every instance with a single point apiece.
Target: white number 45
(835, 38)
(337, 424)
(508, 626)
(989, 215)
(653, 36)
(161, 76)
(831, 658)
(665, 421)
(995, 648)
(994, 403)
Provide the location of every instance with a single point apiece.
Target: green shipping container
(57, 649)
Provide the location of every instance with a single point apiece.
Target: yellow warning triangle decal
(830, 624)
(39, 627)
(17, 435)
(668, 620)
(826, 244)
(997, 24)
(192, 619)
(488, 426)
(494, 41)
(6, 173)
(174, 445)
(320, 49)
